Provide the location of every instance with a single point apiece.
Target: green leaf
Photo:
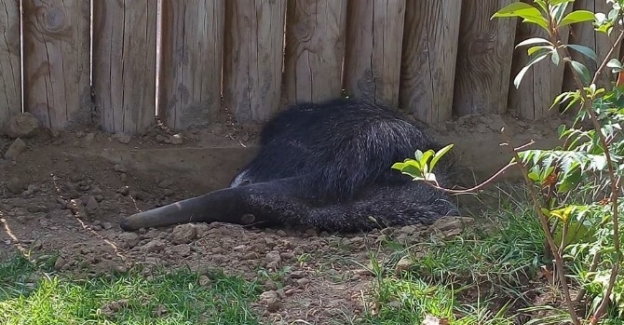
(577, 16)
(581, 70)
(533, 40)
(439, 155)
(535, 59)
(584, 50)
(614, 63)
(522, 10)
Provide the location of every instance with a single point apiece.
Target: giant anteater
(327, 166)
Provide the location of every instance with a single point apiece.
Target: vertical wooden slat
(584, 34)
(124, 72)
(373, 53)
(56, 61)
(315, 43)
(484, 66)
(192, 56)
(429, 58)
(253, 58)
(542, 82)
(10, 72)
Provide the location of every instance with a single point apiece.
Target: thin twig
(549, 238)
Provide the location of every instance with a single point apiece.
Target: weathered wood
(10, 71)
(429, 58)
(192, 56)
(541, 83)
(254, 45)
(124, 71)
(584, 34)
(373, 53)
(315, 43)
(484, 63)
(56, 61)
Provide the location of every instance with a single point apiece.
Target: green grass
(480, 277)
(130, 298)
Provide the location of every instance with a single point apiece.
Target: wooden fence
(71, 62)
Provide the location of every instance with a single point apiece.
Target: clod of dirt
(271, 300)
(122, 138)
(404, 264)
(15, 185)
(176, 139)
(179, 250)
(59, 263)
(23, 125)
(153, 246)
(183, 234)
(273, 259)
(130, 239)
(204, 280)
(452, 226)
(15, 149)
(113, 307)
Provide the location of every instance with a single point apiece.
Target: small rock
(89, 137)
(15, 185)
(130, 239)
(273, 259)
(120, 168)
(303, 281)
(271, 300)
(122, 138)
(15, 149)
(59, 263)
(404, 264)
(107, 225)
(180, 250)
(204, 280)
(176, 139)
(76, 206)
(165, 184)
(23, 125)
(183, 234)
(153, 246)
(124, 190)
(91, 204)
(449, 223)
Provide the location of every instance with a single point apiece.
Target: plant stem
(549, 238)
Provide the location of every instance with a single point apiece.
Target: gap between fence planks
(584, 34)
(373, 53)
(56, 61)
(10, 72)
(124, 71)
(429, 58)
(254, 45)
(315, 48)
(192, 56)
(484, 66)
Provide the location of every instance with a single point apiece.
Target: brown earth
(66, 192)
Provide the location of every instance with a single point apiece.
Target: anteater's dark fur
(328, 166)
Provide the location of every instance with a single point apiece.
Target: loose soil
(60, 195)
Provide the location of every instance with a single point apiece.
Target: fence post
(484, 63)
(56, 62)
(10, 71)
(315, 48)
(124, 71)
(429, 58)
(254, 45)
(373, 53)
(192, 57)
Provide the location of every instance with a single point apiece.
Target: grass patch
(481, 277)
(179, 297)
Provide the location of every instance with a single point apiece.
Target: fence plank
(315, 42)
(584, 34)
(192, 54)
(541, 83)
(429, 58)
(124, 57)
(484, 66)
(56, 61)
(253, 58)
(373, 53)
(10, 71)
